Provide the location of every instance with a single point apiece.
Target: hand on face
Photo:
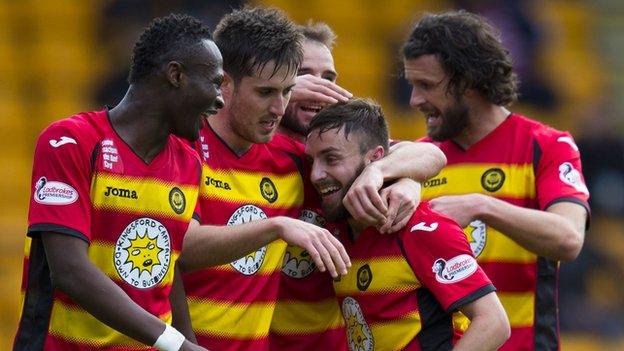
(312, 88)
(363, 200)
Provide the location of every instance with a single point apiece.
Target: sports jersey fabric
(232, 305)
(530, 165)
(402, 289)
(88, 183)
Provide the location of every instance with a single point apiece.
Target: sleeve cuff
(472, 297)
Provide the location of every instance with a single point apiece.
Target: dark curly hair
(470, 52)
(251, 37)
(361, 116)
(166, 38)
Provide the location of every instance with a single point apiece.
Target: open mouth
(328, 190)
(312, 108)
(147, 263)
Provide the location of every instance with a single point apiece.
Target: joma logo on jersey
(434, 182)
(127, 193)
(217, 183)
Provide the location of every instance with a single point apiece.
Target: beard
(454, 120)
(336, 211)
(290, 121)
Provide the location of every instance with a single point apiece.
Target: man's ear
(174, 73)
(227, 87)
(375, 154)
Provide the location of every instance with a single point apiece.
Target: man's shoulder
(426, 220)
(537, 129)
(81, 129)
(285, 143)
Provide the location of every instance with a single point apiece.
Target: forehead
(331, 140)
(425, 67)
(209, 54)
(317, 55)
(268, 75)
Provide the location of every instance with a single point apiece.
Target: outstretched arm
(489, 326)
(206, 245)
(557, 233)
(98, 295)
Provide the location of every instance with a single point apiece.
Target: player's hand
(189, 346)
(363, 200)
(311, 88)
(461, 208)
(326, 251)
(402, 197)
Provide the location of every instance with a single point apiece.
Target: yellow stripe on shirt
(146, 196)
(256, 188)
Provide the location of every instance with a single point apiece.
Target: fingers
(330, 254)
(363, 209)
(393, 209)
(312, 88)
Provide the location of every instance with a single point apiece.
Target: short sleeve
(60, 184)
(438, 252)
(558, 171)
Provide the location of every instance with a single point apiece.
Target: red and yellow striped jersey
(307, 315)
(530, 165)
(88, 183)
(402, 288)
(232, 305)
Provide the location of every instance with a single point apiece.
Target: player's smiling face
(446, 115)
(319, 62)
(336, 163)
(257, 104)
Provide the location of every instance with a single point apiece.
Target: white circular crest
(359, 335)
(143, 253)
(476, 232)
(297, 261)
(250, 263)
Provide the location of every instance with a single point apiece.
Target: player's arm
(179, 307)
(206, 245)
(69, 268)
(556, 233)
(489, 326)
(414, 160)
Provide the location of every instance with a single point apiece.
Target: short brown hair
(319, 32)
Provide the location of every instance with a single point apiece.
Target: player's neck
(483, 119)
(355, 228)
(140, 123)
(221, 125)
(291, 134)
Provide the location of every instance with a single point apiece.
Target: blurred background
(65, 56)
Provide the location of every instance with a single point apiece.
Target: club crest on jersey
(476, 232)
(177, 200)
(359, 335)
(143, 253)
(297, 261)
(456, 269)
(569, 175)
(250, 263)
(493, 179)
(268, 190)
(54, 193)
(364, 277)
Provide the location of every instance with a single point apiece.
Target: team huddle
(237, 198)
